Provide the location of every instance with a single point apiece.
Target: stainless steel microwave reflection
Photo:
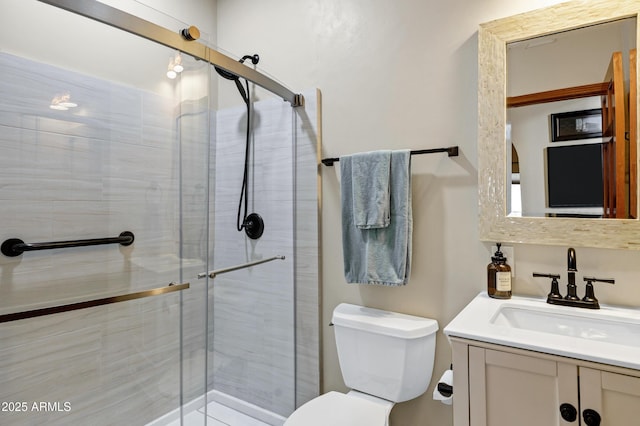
(497, 40)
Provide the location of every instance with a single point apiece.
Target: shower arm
(216, 272)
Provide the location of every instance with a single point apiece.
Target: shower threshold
(217, 415)
(222, 410)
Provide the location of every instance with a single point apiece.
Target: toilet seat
(339, 409)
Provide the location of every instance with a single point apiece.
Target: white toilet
(385, 357)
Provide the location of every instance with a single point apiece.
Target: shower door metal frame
(39, 312)
(116, 18)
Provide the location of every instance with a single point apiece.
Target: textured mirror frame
(494, 224)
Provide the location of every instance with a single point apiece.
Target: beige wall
(396, 75)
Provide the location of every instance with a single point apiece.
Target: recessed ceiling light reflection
(170, 72)
(177, 63)
(62, 102)
(175, 66)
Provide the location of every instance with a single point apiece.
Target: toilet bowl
(339, 409)
(385, 358)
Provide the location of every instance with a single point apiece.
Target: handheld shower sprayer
(244, 93)
(252, 224)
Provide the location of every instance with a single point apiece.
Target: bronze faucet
(571, 275)
(571, 299)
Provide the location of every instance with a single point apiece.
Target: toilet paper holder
(445, 389)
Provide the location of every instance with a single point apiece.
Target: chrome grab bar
(92, 303)
(212, 274)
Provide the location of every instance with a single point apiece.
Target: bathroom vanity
(524, 362)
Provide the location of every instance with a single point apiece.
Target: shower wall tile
(105, 367)
(263, 351)
(87, 172)
(253, 309)
(115, 164)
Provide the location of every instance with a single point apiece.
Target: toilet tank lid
(383, 322)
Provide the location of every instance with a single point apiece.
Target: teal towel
(379, 255)
(370, 173)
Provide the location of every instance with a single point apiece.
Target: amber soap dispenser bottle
(499, 276)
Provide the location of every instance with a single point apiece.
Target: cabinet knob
(591, 417)
(569, 412)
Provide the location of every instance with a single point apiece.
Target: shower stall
(127, 293)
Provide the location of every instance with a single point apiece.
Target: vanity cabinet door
(614, 398)
(508, 389)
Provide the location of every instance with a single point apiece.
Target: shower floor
(217, 415)
(222, 410)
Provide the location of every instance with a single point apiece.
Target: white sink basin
(602, 328)
(610, 335)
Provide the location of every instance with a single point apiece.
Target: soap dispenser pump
(499, 276)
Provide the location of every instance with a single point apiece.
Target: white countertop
(478, 321)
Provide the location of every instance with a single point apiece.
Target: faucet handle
(555, 291)
(600, 280)
(589, 295)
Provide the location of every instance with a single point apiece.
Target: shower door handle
(213, 274)
(15, 316)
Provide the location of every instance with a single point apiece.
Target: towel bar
(213, 274)
(453, 151)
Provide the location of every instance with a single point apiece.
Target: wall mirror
(504, 82)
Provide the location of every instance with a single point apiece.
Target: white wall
(394, 75)
(567, 59)
(174, 15)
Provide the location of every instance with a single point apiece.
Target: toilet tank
(384, 354)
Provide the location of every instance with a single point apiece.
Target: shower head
(231, 76)
(226, 74)
(254, 59)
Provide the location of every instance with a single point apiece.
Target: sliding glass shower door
(92, 140)
(121, 169)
